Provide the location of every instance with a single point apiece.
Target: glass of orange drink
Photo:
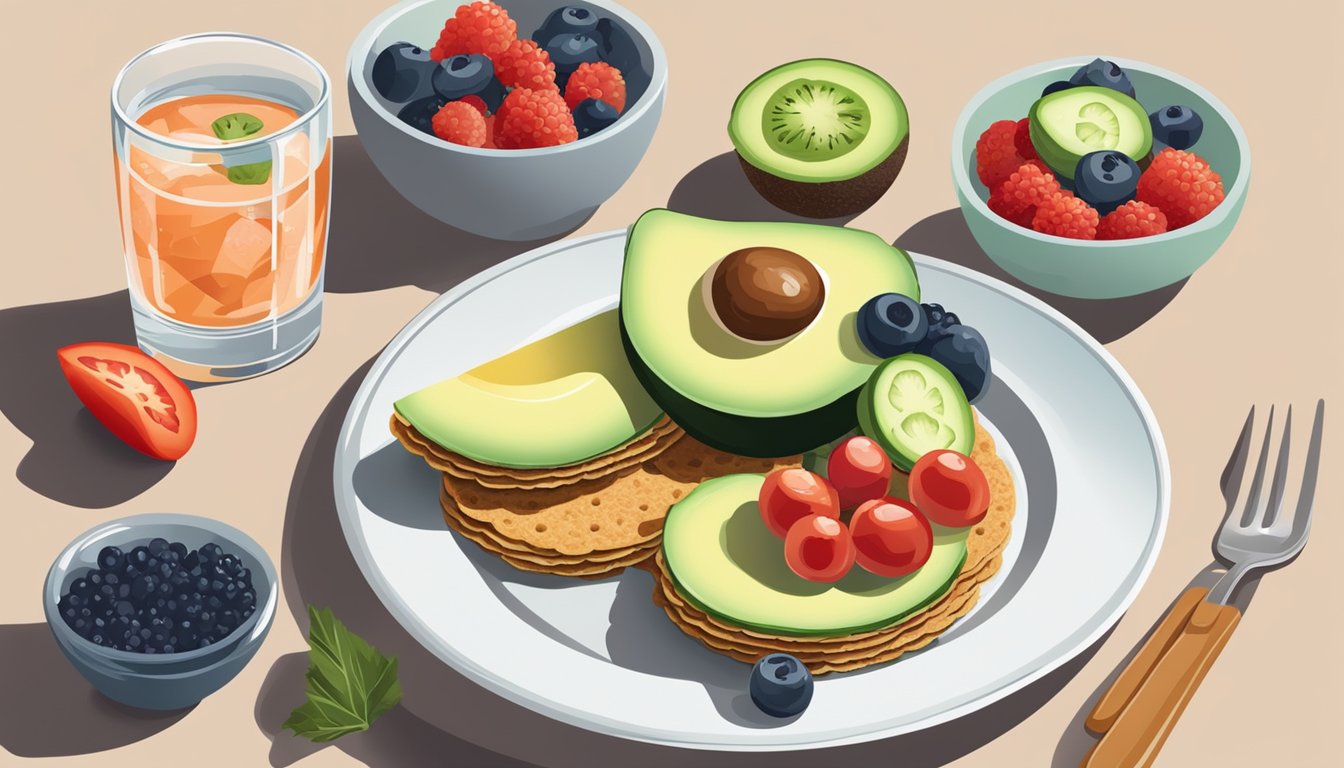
(223, 174)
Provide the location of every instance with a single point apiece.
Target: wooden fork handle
(1113, 701)
(1143, 725)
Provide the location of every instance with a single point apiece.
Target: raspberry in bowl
(1099, 178)
(513, 120)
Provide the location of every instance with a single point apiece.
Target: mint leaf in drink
(350, 684)
(239, 125)
(252, 173)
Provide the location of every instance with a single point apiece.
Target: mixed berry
(481, 85)
(160, 598)
(892, 324)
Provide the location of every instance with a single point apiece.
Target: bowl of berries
(511, 120)
(1099, 179)
(160, 611)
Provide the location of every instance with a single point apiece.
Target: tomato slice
(133, 395)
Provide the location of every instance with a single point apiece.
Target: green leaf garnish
(350, 684)
(251, 173)
(239, 125)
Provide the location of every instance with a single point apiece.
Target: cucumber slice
(1065, 125)
(912, 405)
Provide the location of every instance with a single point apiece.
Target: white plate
(1093, 497)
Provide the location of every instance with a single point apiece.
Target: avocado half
(820, 137)
(736, 395)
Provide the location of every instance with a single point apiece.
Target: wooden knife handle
(1135, 737)
(1113, 701)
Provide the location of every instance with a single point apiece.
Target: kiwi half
(819, 137)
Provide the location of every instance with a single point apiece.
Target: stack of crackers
(984, 548)
(591, 519)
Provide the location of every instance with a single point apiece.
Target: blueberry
(179, 549)
(964, 352)
(110, 558)
(1106, 74)
(1177, 126)
(143, 587)
(1106, 179)
(619, 50)
(592, 115)
(419, 113)
(402, 71)
(891, 324)
(568, 51)
(191, 560)
(468, 75)
(139, 557)
(228, 564)
(1058, 85)
(566, 20)
(780, 685)
(940, 322)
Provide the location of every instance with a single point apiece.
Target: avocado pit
(766, 294)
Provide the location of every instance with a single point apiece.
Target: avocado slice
(737, 395)
(913, 405)
(557, 401)
(725, 561)
(820, 137)
(1065, 125)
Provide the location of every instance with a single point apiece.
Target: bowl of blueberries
(1149, 173)
(159, 611)
(512, 120)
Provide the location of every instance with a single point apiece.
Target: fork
(1137, 713)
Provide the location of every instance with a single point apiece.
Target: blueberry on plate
(401, 73)
(465, 75)
(1106, 74)
(419, 114)
(939, 321)
(780, 685)
(592, 115)
(891, 324)
(1106, 180)
(963, 351)
(566, 20)
(568, 51)
(1058, 85)
(1177, 126)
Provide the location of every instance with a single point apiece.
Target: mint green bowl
(1100, 269)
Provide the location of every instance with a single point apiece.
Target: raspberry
(1133, 219)
(475, 101)
(490, 133)
(996, 155)
(1066, 216)
(529, 118)
(1016, 198)
(1022, 140)
(459, 123)
(1182, 185)
(596, 80)
(525, 65)
(481, 27)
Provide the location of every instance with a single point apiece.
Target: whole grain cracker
(504, 545)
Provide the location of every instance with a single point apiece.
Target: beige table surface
(1259, 324)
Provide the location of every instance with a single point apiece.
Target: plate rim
(1052, 659)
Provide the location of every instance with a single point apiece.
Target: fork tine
(1268, 513)
(1302, 516)
(1248, 512)
(1236, 463)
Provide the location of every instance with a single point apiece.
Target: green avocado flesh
(746, 397)
(725, 561)
(557, 401)
(1067, 124)
(913, 405)
(818, 120)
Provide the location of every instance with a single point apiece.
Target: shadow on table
(378, 240)
(73, 459)
(717, 189)
(473, 727)
(50, 710)
(944, 235)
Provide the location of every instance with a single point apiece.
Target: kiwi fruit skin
(828, 199)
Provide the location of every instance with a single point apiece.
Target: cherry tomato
(860, 471)
(819, 548)
(891, 537)
(949, 488)
(790, 494)
(133, 395)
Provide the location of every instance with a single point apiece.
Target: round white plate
(1093, 496)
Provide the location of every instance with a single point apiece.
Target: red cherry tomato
(860, 471)
(133, 395)
(790, 494)
(819, 548)
(949, 488)
(891, 537)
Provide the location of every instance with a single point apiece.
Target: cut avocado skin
(740, 397)
(1062, 152)
(725, 562)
